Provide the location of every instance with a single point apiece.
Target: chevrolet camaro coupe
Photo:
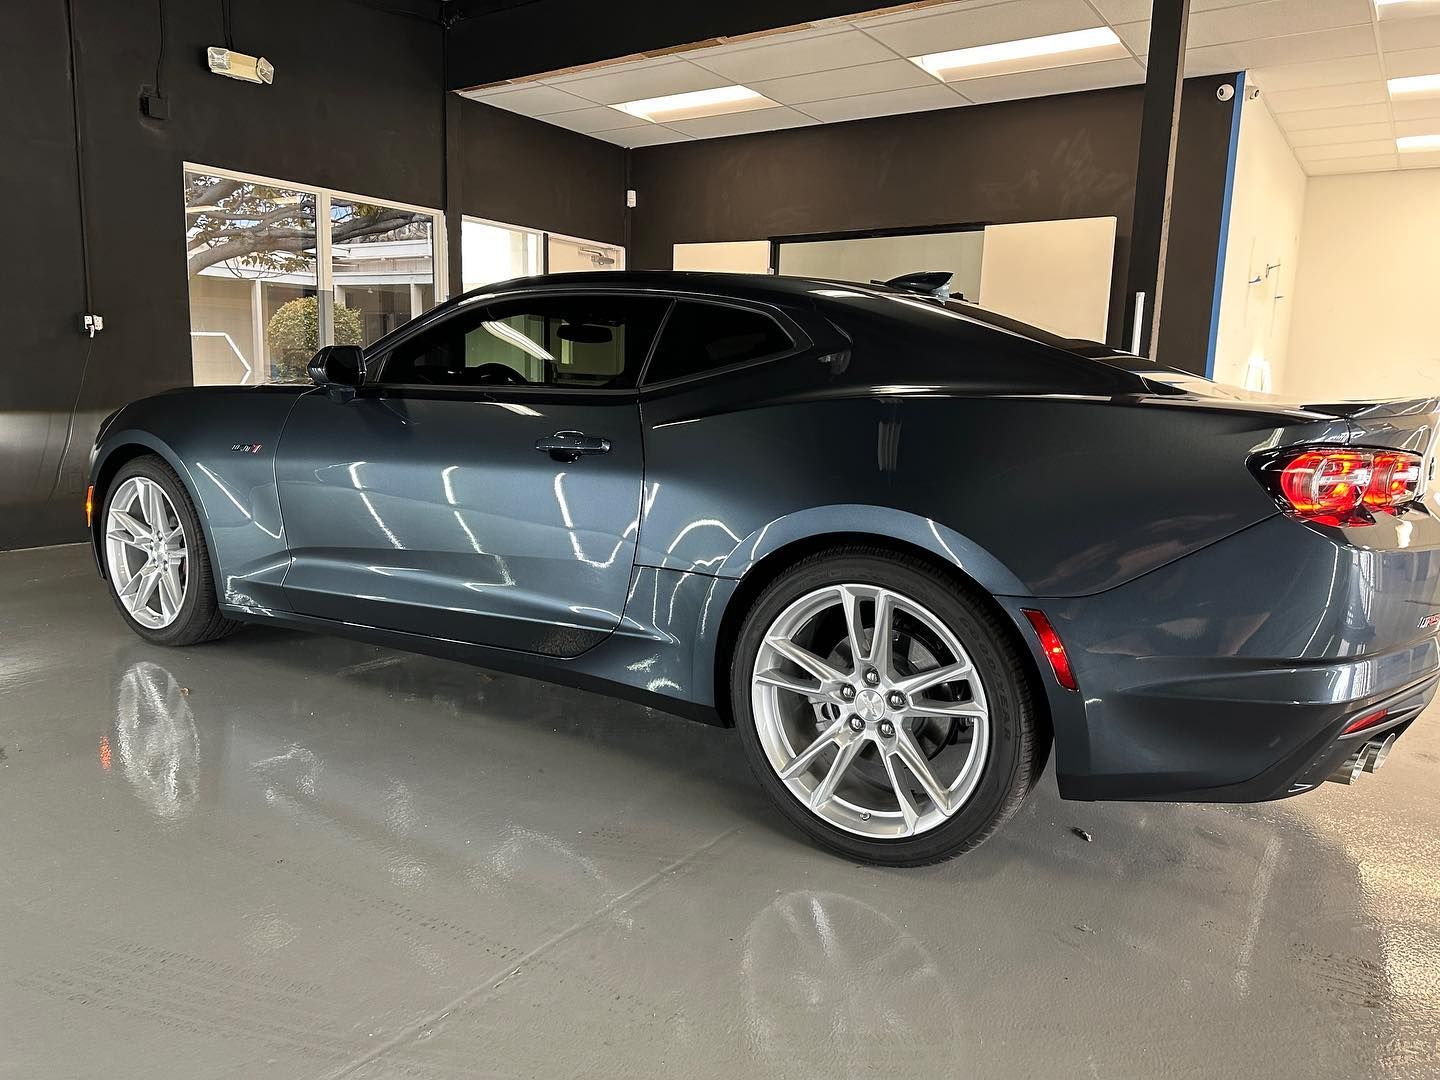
(902, 544)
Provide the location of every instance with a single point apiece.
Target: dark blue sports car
(902, 544)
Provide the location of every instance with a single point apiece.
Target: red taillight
(1339, 486)
(1394, 479)
(1368, 720)
(1054, 648)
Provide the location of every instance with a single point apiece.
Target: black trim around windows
(800, 340)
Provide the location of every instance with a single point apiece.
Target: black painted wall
(357, 104)
(1056, 157)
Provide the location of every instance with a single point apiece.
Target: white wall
(737, 257)
(1051, 274)
(1254, 335)
(1367, 296)
(880, 258)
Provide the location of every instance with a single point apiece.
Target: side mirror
(340, 369)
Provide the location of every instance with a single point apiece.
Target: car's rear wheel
(888, 713)
(155, 557)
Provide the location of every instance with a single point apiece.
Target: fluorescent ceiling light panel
(692, 106)
(1026, 54)
(1419, 142)
(1415, 84)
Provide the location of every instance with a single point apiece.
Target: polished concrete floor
(294, 856)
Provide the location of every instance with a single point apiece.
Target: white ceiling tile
(1323, 97)
(1136, 36)
(532, 100)
(927, 11)
(969, 27)
(596, 118)
(1404, 128)
(1270, 52)
(1062, 80)
(844, 82)
(1274, 18)
(1422, 33)
(710, 127)
(1372, 148)
(1123, 11)
(1344, 117)
(1353, 69)
(837, 49)
(1429, 159)
(648, 135)
(1336, 135)
(1408, 62)
(1378, 163)
(1419, 109)
(912, 99)
(645, 79)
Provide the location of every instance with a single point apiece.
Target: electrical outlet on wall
(154, 104)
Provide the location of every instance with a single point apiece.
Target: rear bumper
(1229, 675)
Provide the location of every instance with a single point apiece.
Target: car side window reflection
(575, 342)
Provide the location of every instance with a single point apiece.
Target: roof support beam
(1154, 174)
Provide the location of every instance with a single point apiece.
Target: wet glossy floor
(293, 856)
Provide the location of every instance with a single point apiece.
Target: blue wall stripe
(1239, 100)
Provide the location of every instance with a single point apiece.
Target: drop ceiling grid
(1327, 59)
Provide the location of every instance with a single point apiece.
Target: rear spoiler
(932, 283)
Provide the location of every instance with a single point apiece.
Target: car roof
(741, 286)
(776, 289)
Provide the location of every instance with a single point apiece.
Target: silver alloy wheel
(854, 679)
(146, 552)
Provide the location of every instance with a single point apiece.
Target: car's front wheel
(155, 557)
(887, 713)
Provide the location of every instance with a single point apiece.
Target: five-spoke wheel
(855, 675)
(145, 552)
(887, 710)
(155, 556)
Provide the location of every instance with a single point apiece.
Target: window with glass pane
(250, 253)
(382, 262)
(491, 253)
(707, 337)
(593, 342)
(566, 254)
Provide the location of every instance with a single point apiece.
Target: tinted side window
(703, 337)
(594, 342)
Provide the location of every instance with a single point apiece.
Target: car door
(485, 484)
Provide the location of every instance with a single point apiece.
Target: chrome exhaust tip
(1376, 751)
(1350, 769)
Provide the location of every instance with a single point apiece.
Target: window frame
(376, 357)
(324, 267)
(374, 376)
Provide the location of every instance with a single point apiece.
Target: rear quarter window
(700, 338)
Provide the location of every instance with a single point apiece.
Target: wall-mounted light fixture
(238, 65)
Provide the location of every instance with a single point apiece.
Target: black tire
(200, 618)
(1017, 749)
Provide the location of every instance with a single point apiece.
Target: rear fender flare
(862, 520)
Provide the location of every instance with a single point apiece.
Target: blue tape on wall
(1239, 100)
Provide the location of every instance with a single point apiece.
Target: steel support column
(1154, 171)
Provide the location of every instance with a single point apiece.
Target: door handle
(570, 445)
